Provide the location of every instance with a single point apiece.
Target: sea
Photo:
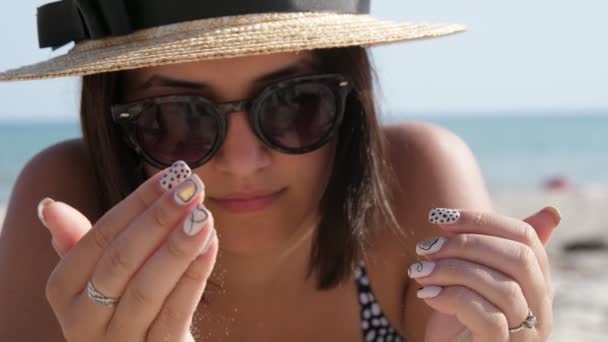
(514, 151)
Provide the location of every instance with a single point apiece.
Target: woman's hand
(153, 252)
(483, 277)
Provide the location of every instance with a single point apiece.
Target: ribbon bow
(73, 20)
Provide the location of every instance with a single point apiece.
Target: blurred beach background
(526, 88)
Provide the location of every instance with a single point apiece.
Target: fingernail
(196, 220)
(430, 246)
(443, 216)
(557, 216)
(177, 173)
(41, 205)
(429, 291)
(421, 269)
(188, 189)
(212, 236)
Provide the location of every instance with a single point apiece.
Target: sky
(541, 56)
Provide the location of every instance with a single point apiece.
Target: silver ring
(99, 297)
(528, 323)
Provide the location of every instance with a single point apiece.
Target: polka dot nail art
(177, 173)
(443, 216)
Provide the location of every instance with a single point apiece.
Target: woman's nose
(242, 153)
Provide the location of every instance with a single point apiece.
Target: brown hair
(356, 200)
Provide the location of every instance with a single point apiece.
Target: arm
(436, 169)
(26, 255)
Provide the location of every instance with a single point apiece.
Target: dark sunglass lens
(173, 131)
(298, 116)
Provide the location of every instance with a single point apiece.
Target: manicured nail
(177, 173)
(188, 189)
(196, 220)
(429, 291)
(41, 205)
(212, 236)
(421, 269)
(443, 216)
(430, 246)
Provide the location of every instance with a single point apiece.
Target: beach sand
(578, 252)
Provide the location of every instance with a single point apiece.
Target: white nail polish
(421, 269)
(188, 189)
(429, 292)
(212, 237)
(177, 173)
(196, 220)
(443, 216)
(41, 205)
(430, 247)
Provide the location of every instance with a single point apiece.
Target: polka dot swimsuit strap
(374, 325)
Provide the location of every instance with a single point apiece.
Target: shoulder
(63, 173)
(434, 167)
(428, 143)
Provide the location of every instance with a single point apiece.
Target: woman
(317, 224)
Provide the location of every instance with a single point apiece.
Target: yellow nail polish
(189, 189)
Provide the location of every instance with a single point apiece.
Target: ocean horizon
(516, 151)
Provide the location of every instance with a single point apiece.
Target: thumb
(66, 224)
(544, 222)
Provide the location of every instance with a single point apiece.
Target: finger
(466, 221)
(75, 269)
(485, 321)
(498, 289)
(509, 257)
(544, 223)
(128, 252)
(57, 249)
(66, 224)
(177, 313)
(147, 291)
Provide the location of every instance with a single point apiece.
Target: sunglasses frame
(126, 115)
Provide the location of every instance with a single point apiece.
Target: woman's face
(244, 167)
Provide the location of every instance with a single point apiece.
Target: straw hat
(113, 35)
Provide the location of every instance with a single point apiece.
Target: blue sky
(525, 56)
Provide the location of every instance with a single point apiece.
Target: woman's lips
(240, 204)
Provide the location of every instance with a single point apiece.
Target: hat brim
(227, 37)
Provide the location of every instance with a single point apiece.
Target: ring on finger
(528, 323)
(99, 297)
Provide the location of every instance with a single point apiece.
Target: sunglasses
(292, 116)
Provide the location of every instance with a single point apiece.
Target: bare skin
(267, 300)
(386, 266)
